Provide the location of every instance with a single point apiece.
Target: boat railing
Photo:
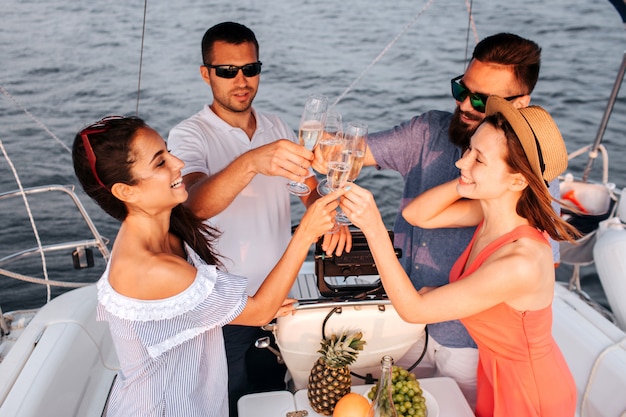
(80, 247)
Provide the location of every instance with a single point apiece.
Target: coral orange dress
(521, 370)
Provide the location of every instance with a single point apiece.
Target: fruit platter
(330, 390)
(443, 399)
(431, 404)
(408, 396)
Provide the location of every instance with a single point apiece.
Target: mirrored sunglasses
(230, 71)
(477, 100)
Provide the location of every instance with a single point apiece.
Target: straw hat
(538, 134)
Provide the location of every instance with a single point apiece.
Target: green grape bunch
(407, 393)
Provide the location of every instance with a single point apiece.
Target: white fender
(609, 255)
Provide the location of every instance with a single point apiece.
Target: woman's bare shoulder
(150, 276)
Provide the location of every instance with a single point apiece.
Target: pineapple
(330, 376)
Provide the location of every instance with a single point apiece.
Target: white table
(446, 393)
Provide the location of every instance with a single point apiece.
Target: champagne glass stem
(311, 128)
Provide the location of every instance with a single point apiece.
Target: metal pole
(593, 153)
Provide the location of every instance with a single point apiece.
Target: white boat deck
(64, 363)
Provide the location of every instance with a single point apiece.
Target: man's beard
(460, 133)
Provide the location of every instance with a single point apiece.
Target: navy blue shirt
(421, 151)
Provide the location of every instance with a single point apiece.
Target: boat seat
(595, 351)
(55, 359)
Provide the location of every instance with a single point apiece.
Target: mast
(620, 5)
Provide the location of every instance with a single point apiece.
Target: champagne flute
(355, 148)
(311, 127)
(332, 138)
(356, 137)
(338, 171)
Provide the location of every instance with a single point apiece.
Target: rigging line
(32, 220)
(32, 116)
(383, 52)
(143, 36)
(471, 25)
(468, 5)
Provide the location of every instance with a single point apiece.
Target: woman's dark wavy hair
(112, 147)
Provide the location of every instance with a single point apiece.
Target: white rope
(40, 124)
(472, 24)
(621, 345)
(383, 52)
(41, 281)
(605, 158)
(32, 220)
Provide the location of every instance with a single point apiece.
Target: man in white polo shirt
(237, 164)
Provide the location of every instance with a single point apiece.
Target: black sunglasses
(230, 71)
(477, 100)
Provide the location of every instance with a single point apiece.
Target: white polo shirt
(256, 226)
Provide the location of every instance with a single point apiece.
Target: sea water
(66, 64)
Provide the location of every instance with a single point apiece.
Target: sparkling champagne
(337, 174)
(329, 146)
(310, 132)
(355, 158)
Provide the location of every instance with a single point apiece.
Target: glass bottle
(383, 406)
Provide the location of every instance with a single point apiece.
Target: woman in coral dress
(503, 284)
(521, 371)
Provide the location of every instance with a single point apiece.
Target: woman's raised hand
(320, 216)
(360, 207)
